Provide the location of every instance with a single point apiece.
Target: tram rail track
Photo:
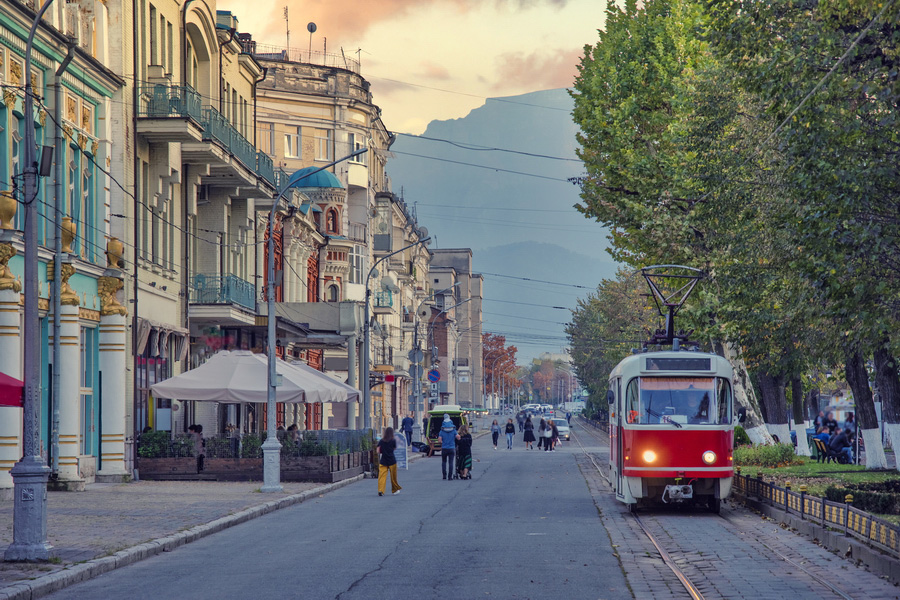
(691, 588)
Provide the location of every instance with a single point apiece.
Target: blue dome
(322, 179)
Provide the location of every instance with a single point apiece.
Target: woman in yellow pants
(388, 464)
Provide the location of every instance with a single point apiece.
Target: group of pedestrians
(838, 440)
(547, 435)
(509, 429)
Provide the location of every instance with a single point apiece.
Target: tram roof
(672, 362)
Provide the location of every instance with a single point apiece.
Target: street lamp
(434, 320)
(459, 336)
(272, 447)
(30, 474)
(367, 392)
(494, 379)
(417, 377)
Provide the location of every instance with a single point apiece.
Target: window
(356, 142)
(88, 416)
(154, 42)
(292, 143)
(358, 266)
(266, 133)
(323, 144)
(678, 400)
(334, 293)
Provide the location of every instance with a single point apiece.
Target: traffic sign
(434, 376)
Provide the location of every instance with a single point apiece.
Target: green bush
(251, 446)
(778, 455)
(883, 501)
(154, 444)
(740, 437)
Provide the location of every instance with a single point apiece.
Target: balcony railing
(357, 232)
(176, 101)
(383, 299)
(228, 289)
(163, 101)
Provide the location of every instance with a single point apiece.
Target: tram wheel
(632, 508)
(714, 504)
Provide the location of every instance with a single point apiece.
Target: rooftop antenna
(681, 281)
(311, 28)
(287, 28)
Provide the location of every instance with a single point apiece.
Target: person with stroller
(464, 453)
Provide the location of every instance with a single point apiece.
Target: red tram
(671, 431)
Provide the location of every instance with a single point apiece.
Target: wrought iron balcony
(163, 101)
(383, 299)
(227, 289)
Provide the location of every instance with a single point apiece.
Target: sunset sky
(437, 59)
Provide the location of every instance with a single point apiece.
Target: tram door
(617, 439)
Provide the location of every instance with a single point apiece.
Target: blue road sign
(434, 376)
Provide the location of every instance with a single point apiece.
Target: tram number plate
(678, 364)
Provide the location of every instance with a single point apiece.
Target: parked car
(562, 426)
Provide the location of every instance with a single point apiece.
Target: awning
(12, 391)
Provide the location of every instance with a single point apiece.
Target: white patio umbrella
(240, 377)
(343, 392)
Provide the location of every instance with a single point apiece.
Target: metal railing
(227, 289)
(357, 232)
(298, 55)
(164, 101)
(843, 516)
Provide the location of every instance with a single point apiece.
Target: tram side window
(633, 402)
(724, 395)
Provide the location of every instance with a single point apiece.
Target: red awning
(12, 391)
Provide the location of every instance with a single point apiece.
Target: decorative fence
(843, 516)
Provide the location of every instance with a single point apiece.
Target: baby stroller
(463, 461)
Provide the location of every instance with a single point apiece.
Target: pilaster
(10, 364)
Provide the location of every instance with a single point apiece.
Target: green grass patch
(777, 455)
(817, 477)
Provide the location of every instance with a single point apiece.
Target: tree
(499, 362)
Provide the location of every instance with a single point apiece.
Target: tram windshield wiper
(663, 418)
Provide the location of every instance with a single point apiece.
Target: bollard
(803, 502)
(848, 500)
(787, 493)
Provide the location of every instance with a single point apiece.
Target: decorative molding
(109, 304)
(89, 315)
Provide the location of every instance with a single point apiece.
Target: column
(112, 390)
(69, 401)
(10, 364)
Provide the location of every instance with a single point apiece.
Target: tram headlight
(649, 456)
(709, 457)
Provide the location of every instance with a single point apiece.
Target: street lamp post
(30, 474)
(367, 391)
(494, 379)
(272, 447)
(433, 321)
(459, 336)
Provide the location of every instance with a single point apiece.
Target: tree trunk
(889, 390)
(799, 408)
(744, 396)
(771, 390)
(855, 369)
(812, 405)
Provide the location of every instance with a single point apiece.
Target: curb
(42, 586)
(834, 540)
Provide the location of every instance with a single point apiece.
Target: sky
(436, 59)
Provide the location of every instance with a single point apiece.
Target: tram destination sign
(679, 364)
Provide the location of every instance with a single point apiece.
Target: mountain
(495, 181)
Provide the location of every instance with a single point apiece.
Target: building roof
(321, 179)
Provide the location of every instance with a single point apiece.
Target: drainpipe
(136, 208)
(57, 260)
(265, 73)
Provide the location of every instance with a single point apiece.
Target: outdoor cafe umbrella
(240, 377)
(11, 391)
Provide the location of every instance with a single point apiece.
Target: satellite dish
(311, 27)
(375, 272)
(382, 227)
(424, 312)
(423, 232)
(373, 212)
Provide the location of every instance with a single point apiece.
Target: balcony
(169, 113)
(224, 300)
(383, 299)
(175, 113)
(357, 232)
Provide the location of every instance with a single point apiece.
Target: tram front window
(678, 400)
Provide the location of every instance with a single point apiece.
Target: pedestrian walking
(406, 426)
(542, 429)
(464, 453)
(510, 433)
(196, 432)
(425, 428)
(495, 432)
(529, 433)
(568, 417)
(554, 436)
(448, 447)
(388, 462)
(520, 419)
(548, 437)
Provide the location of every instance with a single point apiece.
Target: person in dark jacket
(830, 422)
(529, 434)
(840, 444)
(406, 426)
(464, 453)
(388, 463)
(448, 447)
(510, 433)
(542, 428)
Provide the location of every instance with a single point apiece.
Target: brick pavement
(107, 518)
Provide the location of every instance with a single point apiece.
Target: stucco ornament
(7, 281)
(109, 304)
(67, 295)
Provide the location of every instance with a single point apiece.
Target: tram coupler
(678, 493)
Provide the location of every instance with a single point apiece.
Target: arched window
(334, 293)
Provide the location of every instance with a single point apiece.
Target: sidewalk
(118, 520)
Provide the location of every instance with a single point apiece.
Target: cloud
(538, 70)
(434, 71)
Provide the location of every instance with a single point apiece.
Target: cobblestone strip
(41, 586)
